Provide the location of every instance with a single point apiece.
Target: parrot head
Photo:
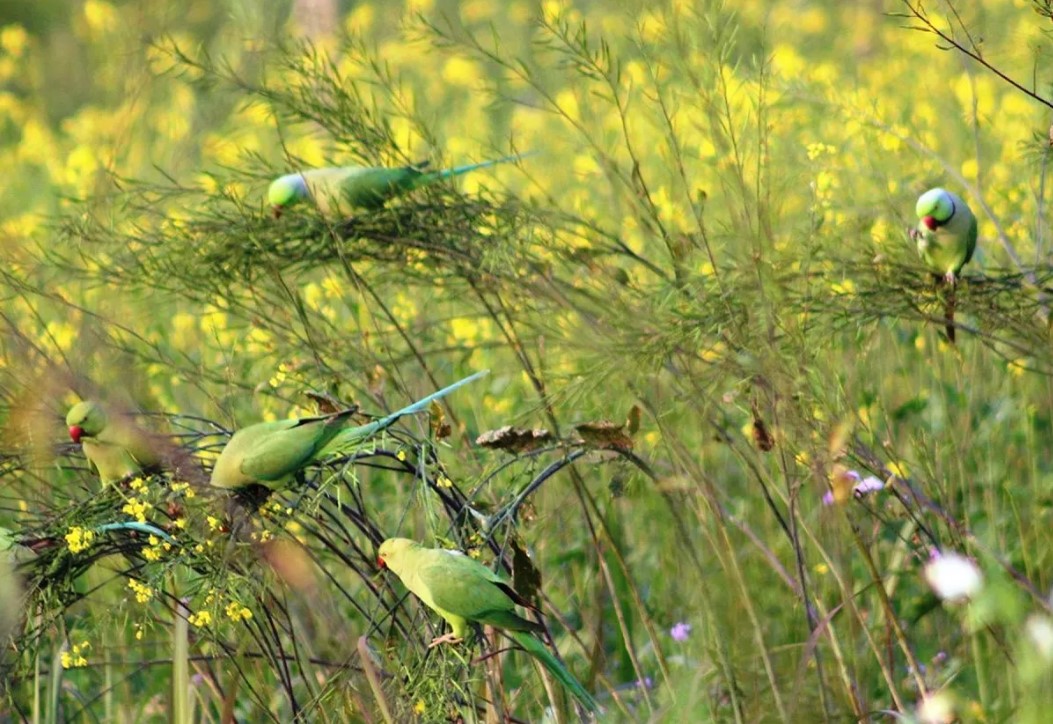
(285, 191)
(391, 552)
(85, 419)
(935, 208)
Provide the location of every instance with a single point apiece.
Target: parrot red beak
(381, 563)
(930, 223)
(277, 211)
(75, 432)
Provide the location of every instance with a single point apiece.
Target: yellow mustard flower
(79, 539)
(143, 592)
(200, 619)
(899, 469)
(237, 612)
(74, 657)
(137, 509)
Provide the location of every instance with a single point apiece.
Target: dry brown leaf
(604, 434)
(632, 422)
(514, 439)
(326, 404)
(440, 426)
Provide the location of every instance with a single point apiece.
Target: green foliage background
(712, 229)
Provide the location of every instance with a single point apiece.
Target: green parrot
(337, 191)
(946, 238)
(464, 591)
(114, 447)
(270, 453)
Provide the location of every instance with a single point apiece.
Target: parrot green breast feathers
(946, 232)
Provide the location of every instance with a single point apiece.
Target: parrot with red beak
(114, 447)
(465, 592)
(946, 239)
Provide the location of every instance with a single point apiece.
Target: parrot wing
(467, 588)
(970, 241)
(278, 453)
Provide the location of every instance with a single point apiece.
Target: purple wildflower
(680, 631)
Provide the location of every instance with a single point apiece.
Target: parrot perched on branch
(271, 453)
(115, 447)
(946, 238)
(463, 591)
(338, 190)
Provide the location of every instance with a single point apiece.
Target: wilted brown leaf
(761, 435)
(326, 404)
(514, 439)
(440, 426)
(526, 578)
(632, 422)
(604, 434)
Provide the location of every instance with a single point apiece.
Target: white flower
(953, 577)
(936, 708)
(869, 484)
(1040, 630)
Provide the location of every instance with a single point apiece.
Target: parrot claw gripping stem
(445, 639)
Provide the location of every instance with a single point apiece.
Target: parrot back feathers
(340, 189)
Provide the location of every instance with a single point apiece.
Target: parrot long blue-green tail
(138, 527)
(537, 649)
(429, 176)
(353, 435)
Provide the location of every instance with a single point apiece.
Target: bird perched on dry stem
(946, 239)
(269, 454)
(463, 591)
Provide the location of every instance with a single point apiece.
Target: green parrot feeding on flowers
(946, 239)
(113, 445)
(463, 591)
(271, 453)
(338, 190)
